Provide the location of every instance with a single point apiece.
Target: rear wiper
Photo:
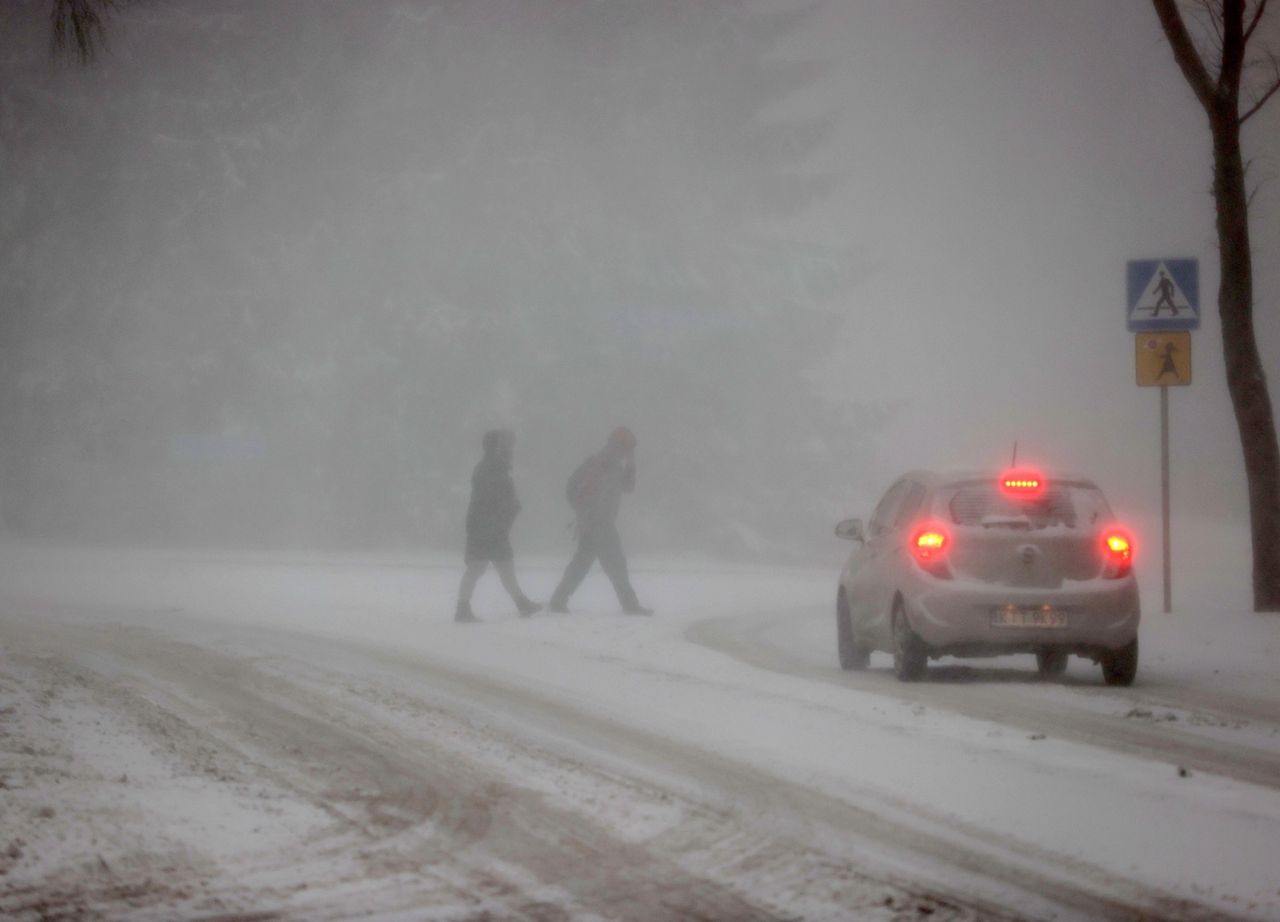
(997, 521)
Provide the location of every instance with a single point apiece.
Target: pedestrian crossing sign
(1163, 359)
(1163, 294)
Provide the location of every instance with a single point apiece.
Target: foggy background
(269, 269)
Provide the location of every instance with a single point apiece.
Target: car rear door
(1030, 544)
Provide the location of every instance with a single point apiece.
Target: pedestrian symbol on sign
(1163, 294)
(1165, 289)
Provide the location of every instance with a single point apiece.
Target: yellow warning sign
(1163, 358)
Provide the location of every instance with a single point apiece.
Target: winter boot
(630, 604)
(527, 606)
(559, 606)
(464, 614)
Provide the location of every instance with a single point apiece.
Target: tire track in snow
(433, 824)
(976, 858)
(747, 639)
(230, 694)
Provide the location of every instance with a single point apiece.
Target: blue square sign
(1163, 294)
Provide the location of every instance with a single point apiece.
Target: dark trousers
(601, 541)
(506, 572)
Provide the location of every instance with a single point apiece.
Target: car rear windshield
(1064, 505)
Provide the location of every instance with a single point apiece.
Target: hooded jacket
(596, 487)
(493, 507)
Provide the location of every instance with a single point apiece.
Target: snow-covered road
(1168, 716)
(194, 735)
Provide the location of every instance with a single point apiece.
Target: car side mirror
(851, 530)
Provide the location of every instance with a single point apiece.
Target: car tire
(853, 655)
(1119, 667)
(910, 656)
(1051, 663)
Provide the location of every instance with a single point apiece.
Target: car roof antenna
(1014, 462)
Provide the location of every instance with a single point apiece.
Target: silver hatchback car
(981, 565)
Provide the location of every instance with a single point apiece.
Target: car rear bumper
(1100, 615)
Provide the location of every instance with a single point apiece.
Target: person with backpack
(490, 515)
(595, 491)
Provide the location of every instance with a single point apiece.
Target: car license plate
(1028, 616)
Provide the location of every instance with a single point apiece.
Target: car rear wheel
(1119, 667)
(853, 655)
(1051, 663)
(910, 657)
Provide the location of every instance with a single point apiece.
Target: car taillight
(1117, 554)
(929, 546)
(1022, 482)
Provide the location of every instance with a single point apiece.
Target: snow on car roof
(936, 478)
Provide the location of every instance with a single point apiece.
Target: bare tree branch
(1215, 19)
(1262, 100)
(1184, 52)
(1257, 17)
(1204, 25)
(1262, 181)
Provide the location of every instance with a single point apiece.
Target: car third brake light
(1023, 483)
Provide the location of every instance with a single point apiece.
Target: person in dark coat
(595, 492)
(490, 515)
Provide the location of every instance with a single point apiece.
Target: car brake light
(929, 546)
(1022, 482)
(1117, 554)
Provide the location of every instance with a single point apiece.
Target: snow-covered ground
(189, 734)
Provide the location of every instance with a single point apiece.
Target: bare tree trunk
(1246, 380)
(1219, 94)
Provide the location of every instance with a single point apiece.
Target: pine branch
(79, 24)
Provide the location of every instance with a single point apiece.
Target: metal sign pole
(1164, 494)
(1163, 350)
